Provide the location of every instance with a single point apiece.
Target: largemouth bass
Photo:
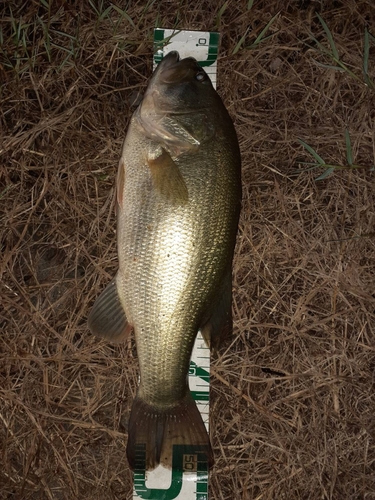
(178, 197)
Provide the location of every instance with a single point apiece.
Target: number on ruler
(189, 463)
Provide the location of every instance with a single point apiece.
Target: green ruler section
(188, 479)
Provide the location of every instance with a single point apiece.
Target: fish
(178, 194)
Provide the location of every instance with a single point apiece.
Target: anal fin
(107, 318)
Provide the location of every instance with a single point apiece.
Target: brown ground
(293, 403)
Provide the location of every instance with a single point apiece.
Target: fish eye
(200, 76)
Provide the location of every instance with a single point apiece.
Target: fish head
(178, 105)
(180, 84)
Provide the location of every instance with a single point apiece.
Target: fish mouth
(171, 58)
(172, 69)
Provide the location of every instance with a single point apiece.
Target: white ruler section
(189, 482)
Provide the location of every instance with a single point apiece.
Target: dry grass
(293, 399)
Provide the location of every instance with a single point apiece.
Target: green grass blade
(240, 42)
(267, 37)
(369, 82)
(250, 4)
(221, 11)
(264, 31)
(318, 158)
(162, 43)
(325, 174)
(6, 189)
(105, 13)
(304, 170)
(329, 36)
(347, 70)
(366, 53)
(349, 154)
(61, 47)
(123, 14)
(335, 57)
(328, 66)
(94, 7)
(46, 36)
(320, 46)
(147, 7)
(63, 33)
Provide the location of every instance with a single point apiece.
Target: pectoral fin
(107, 318)
(167, 178)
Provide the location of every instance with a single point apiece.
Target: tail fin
(158, 430)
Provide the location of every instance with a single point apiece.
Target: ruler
(188, 479)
